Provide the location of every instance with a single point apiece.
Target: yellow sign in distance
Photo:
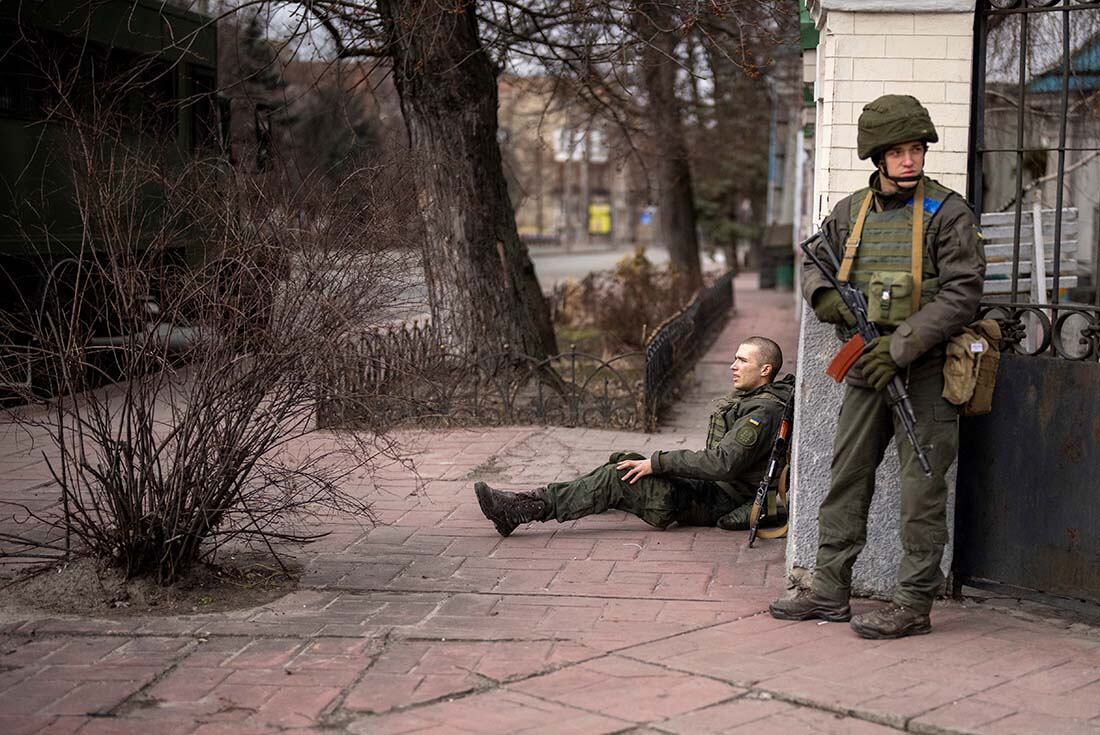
(599, 219)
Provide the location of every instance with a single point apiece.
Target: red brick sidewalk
(434, 624)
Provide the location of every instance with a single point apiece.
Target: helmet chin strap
(899, 179)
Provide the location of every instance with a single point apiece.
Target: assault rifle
(866, 331)
(775, 462)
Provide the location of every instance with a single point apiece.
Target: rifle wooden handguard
(842, 363)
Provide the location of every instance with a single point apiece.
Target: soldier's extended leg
(653, 499)
(923, 511)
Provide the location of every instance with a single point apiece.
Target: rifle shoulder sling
(852, 246)
(918, 245)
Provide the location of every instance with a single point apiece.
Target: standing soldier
(912, 245)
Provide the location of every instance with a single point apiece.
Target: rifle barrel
(903, 407)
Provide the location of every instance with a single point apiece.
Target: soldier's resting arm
(960, 261)
(747, 443)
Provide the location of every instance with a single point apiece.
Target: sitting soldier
(714, 486)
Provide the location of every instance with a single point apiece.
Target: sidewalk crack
(137, 699)
(333, 715)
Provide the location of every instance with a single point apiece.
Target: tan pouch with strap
(960, 369)
(970, 369)
(982, 399)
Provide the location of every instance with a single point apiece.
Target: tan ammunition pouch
(889, 298)
(970, 370)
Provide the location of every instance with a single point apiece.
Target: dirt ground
(89, 587)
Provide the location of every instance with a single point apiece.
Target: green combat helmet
(893, 119)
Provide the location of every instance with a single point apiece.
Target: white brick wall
(862, 55)
(917, 47)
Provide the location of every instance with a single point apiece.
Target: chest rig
(885, 255)
(721, 420)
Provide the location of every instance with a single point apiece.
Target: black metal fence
(387, 380)
(1030, 329)
(1034, 170)
(407, 375)
(678, 343)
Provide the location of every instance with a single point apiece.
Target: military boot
(892, 621)
(507, 510)
(738, 519)
(808, 606)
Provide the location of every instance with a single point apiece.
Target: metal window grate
(1035, 148)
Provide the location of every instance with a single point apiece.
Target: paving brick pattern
(431, 623)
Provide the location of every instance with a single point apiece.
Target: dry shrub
(183, 347)
(625, 304)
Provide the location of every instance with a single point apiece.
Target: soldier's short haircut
(769, 352)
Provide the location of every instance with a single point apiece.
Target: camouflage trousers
(658, 500)
(864, 430)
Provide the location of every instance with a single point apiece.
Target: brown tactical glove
(878, 367)
(830, 308)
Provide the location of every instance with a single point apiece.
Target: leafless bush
(626, 304)
(179, 352)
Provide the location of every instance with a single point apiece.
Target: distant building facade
(570, 182)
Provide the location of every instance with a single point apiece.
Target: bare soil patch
(89, 587)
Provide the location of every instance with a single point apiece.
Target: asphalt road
(556, 265)
(552, 266)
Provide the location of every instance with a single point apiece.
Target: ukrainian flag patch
(931, 206)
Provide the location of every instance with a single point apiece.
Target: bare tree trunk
(481, 281)
(675, 197)
(741, 116)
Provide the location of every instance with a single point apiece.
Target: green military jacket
(957, 259)
(739, 441)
